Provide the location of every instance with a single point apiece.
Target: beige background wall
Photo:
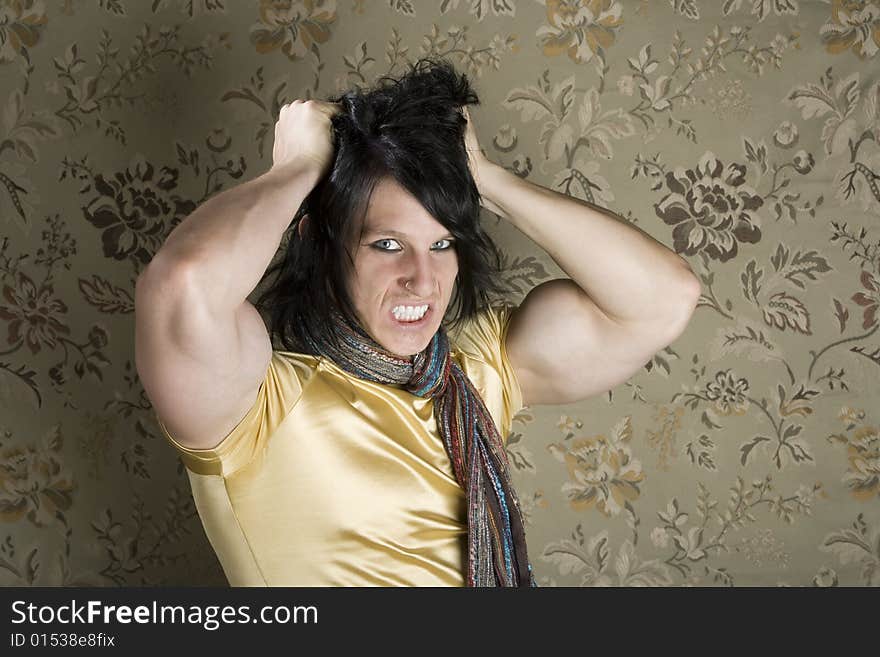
(747, 453)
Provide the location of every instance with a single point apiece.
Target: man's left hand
(476, 157)
(482, 169)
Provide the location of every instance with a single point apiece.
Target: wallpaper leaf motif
(480, 8)
(854, 545)
(21, 29)
(762, 8)
(581, 30)
(855, 26)
(293, 26)
(863, 453)
(687, 8)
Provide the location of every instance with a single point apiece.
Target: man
(370, 450)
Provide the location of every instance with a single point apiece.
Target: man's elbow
(686, 300)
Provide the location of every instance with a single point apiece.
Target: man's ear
(302, 227)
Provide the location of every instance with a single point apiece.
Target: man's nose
(418, 277)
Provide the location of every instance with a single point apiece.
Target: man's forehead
(394, 211)
(388, 197)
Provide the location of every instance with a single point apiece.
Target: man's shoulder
(292, 365)
(483, 333)
(295, 357)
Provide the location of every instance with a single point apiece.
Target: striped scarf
(496, 535)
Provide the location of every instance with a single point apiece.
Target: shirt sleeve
(278, 393)
(480, 344)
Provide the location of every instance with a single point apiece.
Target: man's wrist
(304, 168)
(491, 181)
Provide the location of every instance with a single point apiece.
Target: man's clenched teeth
(409, 313)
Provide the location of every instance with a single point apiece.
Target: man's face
(405, 260)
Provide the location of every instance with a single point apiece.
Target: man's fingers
(324, 106)
(331, 108)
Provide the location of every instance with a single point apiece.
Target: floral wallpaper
(743, 134)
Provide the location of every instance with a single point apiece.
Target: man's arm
(227, 243)
(201, 348)
(629, 296)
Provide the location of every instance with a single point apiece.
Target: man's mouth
(411, 315)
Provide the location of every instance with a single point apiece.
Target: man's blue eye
(389, 244)
(381, 245)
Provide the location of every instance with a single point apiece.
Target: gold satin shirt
(332, 480)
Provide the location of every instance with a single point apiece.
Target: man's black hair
(410, 128)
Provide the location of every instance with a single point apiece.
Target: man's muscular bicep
(201, 371)
(564, 349)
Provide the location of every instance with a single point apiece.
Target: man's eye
(386, 245)
(446, 244)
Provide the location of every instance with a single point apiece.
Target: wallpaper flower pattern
(745, 135)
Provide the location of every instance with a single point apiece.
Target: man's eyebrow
(396, 233)
(384, 231)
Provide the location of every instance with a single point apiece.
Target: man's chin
(405, 342)
(405, 347)
(406, 351)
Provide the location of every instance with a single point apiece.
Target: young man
(370, 450)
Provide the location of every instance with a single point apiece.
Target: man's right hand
(304, 135)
